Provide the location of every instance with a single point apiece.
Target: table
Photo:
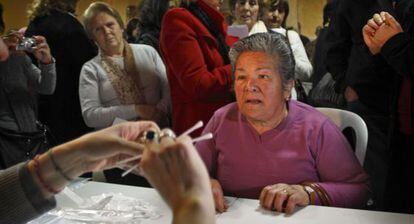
(243, 210)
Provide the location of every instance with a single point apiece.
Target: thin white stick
(128, 160)
(198, 125)
(203, 137)
(129, 171)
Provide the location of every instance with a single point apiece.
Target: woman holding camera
(20, 80)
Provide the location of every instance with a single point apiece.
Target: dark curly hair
(43, 7)
(151, 14)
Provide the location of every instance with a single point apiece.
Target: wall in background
(306, 12)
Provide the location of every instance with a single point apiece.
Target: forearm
(348, 195)
(303, 69)
(100, 117)
(21, 197)
(47, 81)
(55, 175)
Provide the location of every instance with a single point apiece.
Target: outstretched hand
(103, 149)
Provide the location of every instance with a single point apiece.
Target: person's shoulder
(227, 111)
(223, 115)
(177, 11)
(143, 50)
(91, 64)
(309, 113)
(142, 47)
(293, 33)
(176, 14)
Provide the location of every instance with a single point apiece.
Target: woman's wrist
(68, 158)
(47, 179)
(193, 209)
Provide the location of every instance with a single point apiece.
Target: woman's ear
(288, 89)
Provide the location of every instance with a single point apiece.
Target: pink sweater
(306, 146)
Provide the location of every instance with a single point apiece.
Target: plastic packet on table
(119, 209)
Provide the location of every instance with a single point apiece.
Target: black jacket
(399, 50)
(349, 60)
(71, 48)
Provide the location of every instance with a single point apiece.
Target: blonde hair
(40, 8)
(93, 10)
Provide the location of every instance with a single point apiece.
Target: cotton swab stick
(129, 170)
(198, 125)
(128, 160)
(203, 137)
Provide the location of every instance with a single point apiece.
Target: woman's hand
(92, 152)
(102, 149)
(175, 169)
(12, 40)
(283, 197)
(379, 30)
(42, 50)
(218, 195)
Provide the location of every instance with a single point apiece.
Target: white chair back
(344, 119)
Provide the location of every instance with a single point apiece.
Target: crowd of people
(175, 66)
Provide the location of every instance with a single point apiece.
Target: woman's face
(273, 18)
(246, 12)
(107, 32)
(258, 85)
(214, 3)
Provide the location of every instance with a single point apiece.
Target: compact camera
(27, 44)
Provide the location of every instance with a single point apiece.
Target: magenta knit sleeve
(340, 173)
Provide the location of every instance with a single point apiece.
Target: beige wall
(308, 13)
(15, 15)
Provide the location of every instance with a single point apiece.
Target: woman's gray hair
(273, 44)
(93, 10)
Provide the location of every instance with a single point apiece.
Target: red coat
(199, 80)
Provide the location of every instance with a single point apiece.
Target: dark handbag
(16, 147)
(324, 95)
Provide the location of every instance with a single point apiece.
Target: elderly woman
(247, 13)
(126, 81)
(279, 150)
(193, 44)
(275, 14)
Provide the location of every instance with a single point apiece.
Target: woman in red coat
(194, 46)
